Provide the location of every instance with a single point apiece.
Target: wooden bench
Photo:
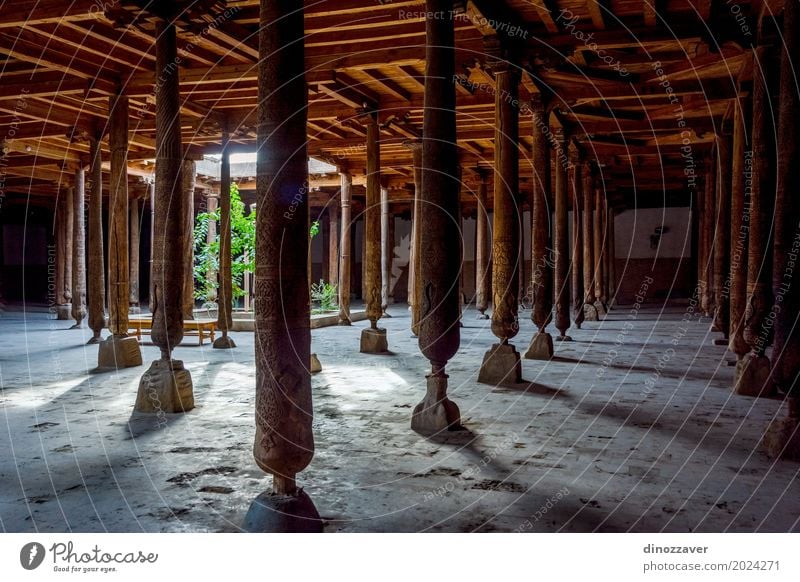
(203, 328)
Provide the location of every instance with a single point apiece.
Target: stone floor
(631, 427)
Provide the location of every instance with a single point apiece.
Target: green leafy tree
(206, 254)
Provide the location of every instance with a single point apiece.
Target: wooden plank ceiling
(633, 81)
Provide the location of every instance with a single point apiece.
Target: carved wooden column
(333, 241)
(561, 241)
(541, 347)
(64, 249)
(284, 441)
(599, 235)
(387, 250)
(414, 282)
(587, 192)
(440, 246)
(78, 249)
(134, 255)
(608, 218)
(118, 350)
(151, 196)
(96, 280)
(752, 376)
(612, 257)
(783, 435)
(707, 234)
(346, 247)
(501, 364)
(483, 281)
(167, 385)
(212, 205)
(740, 227)
(722, 233)
(189, 179)
(373, 339)
(576, 183)
(225, 298)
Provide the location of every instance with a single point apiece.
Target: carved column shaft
(739, 228)
(372, 225)
(387, 250)
(225, 300)
(588, 233)
(284, 442)
(212, 200)
(561, 239)
(96, 276)
(483, 282)
(333, 242)
(722, 253)
(118, 266)
(69, 231)
(541, 259)
(576, 183)
(61, 251)
(345, 246)
(79, 248)
(599, 235)
(189, 179)
(134, 252)
(415, 284)
(707, 234)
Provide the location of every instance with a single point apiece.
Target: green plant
(324, 294)
(314, 230)
(206, 254)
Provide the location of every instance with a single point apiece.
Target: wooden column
(483, 247)
(740, 226)
(576, 183)
(96, 281)
(387, 250)
(440, 246)
(373, 339)
(722, 237)
(151, 195)
(501, 364)
(64, 255)
(561, 240)
(69, 223)
(587, 188)
(225, 299)
(212, 205)
(119, 350)
(134, 254)
(414, 282)
(284, 442)
(541, 347)
(78, 249)
(346, 248)
(708, 239)
(783, 435)
(333, 241)
(606, 297)
(189, 178)
(612, 258)
(167, 385)
(752, 376)
(599, 233)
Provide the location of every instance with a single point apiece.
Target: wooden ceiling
(632, 81)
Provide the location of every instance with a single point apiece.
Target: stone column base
(166, 387)
(601, 309)
(590, 312)
(436, 412)
(482, 316)
(63, 312)
(224, 342)
(751, 377)
(501, 365)
(782, 438)
(373, 341)
(274, 513)
(541, 347)
(720, 341)
(345, 321)
(119, 352)
(316, 365)
(563, 338)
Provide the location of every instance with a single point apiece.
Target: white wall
(633, 229)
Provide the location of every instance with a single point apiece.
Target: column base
(373, 341)
(782, 437)
(541, 347)
(601, 309)
(344, 321)
(752, 376)
(385, 314)
(119, 352)
(95, 339)
(64, 312)
(720, 341)
(224, 342)
(166, 387)
(316, 365)
(274, 513)
(590, 312)
(482, 315)
(501, 365)
(563, 338)
(436, 412)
